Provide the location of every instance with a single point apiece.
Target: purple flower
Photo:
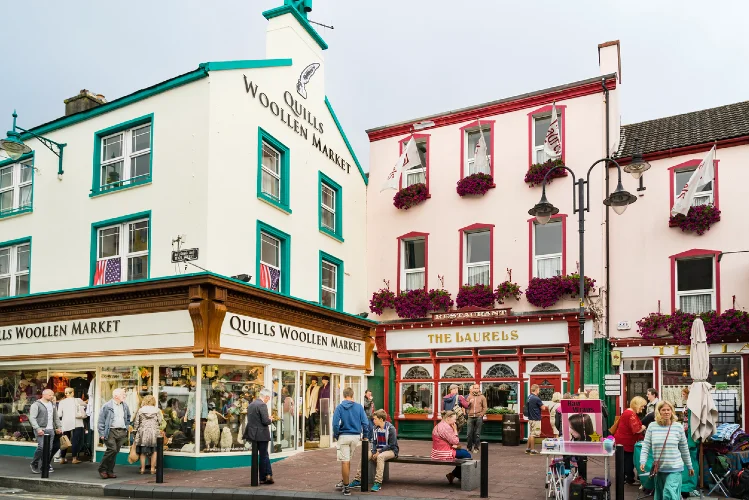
(545, 292)
(536, 173)
(382, 299)
(410, 196)
(698, 219)
(475, 296)
(679, 325)
(475, 184)
(441, 300)
(506, 290)
(413, 304)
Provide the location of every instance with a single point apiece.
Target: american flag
(269, 277)
(108, 271)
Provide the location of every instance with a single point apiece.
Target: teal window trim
(120, 127)
(339, 280)
(282, 203)
(287, 9)
(95, 226)
(345, 139)
(20, 241)
(21, 210)
(338, 233)
(285, 240)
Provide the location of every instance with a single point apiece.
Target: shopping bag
(65, 442)
(133, 456)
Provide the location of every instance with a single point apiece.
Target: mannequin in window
(311, 408)
(324, 395)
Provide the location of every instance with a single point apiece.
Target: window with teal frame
(17, 186)
(121, 249)
(273, 259)
(330, 209)
(331, 281)
(15, 267)
(123, 156)
(272, 171)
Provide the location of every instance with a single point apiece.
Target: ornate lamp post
(15, 147)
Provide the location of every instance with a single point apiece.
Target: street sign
(612, 383)
(611, 377)
(185, 255)
(613, 393)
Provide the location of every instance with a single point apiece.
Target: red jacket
(628, 432)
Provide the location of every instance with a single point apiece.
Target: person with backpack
(350, 422)
(533, 414)
(456, 403)
(555, 416)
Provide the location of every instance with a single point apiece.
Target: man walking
(369, 406)
(533, 407)
(258, 430)
(114, 419)
(349, 423)
(45, 422)
(384, 448)
(477, 407)
(652, 401)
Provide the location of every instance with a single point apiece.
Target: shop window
(355, 384)
(136, 381)
(477, 260)
(457, 371)
(545, 367)
(122, 247)
(15, 267)
(417, 372)
(548, 249)
(538, 125)
(417, 395)
(16, 186)
(501, 394)
(284, 405)
(18, 390)
(413, 262)
(724, 376)
(273, 171)
(273, 251)
(500, 370)
(464, 389)
(331, 281)
(122, 155)
(695, 285)
(633, 365)
(177, 400)
(471, 138)
(420, 173)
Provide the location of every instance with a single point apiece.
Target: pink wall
(642, 242)
(506, 206)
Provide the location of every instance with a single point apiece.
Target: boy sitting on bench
(384, 442)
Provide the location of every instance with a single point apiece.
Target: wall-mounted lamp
(16, 148)
(638, 165)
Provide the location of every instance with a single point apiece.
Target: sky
(389, 60)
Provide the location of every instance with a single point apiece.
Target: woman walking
(628, 432)
(666, 440)
(72, 410)
(147, 426)
(446, 443)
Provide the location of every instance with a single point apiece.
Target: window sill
(331, 234)
(15, 212)
(100, 192)
(275, 204)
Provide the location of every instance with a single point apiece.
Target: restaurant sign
(475, 314)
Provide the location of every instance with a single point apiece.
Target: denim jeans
(37, 460)
(264, 459)
(474, 432)
(461, 453)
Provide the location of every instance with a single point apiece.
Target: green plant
(414, 411)
(499, 411)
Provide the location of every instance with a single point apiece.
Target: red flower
(536, 173)
(410, 196)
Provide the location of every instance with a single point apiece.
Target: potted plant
(410, 196)
(508, 289)
(494, 414)
(536, 173)
(698, 219)
(481, 296)
(414, 413)
(382, 299)
(475, 184)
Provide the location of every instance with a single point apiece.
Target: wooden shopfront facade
(504, 353)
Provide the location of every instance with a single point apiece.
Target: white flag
(409, 159)
(480, 154)
(553, 143)
(703, 175)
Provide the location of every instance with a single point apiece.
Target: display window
(286, 409)
(136, 381)
(501, 395)
(18, 389)
(417, 395)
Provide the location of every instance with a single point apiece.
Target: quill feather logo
(304, 78)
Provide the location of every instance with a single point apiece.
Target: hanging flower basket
(413, 304)
(506, 290)
(545, 292)
(475, 184)
(410, 196)
(441, 300)
(382, 299)
(718, 327)
(698, 219)
(536, 173)
(475, 296)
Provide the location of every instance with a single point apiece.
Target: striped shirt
(675, 453)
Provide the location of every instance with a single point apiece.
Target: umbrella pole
(702, 475)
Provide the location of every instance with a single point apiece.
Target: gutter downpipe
(608, 189)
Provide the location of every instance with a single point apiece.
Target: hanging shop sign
(479, 314)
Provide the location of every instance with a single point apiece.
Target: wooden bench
(470, 470)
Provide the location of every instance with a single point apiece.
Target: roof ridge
(687, 113)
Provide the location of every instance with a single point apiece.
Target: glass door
(285, 409)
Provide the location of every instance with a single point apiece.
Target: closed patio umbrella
(704, 415)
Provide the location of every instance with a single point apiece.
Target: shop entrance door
(317, 409)
(637, 384)
(548, 385)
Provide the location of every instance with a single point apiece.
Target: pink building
(447, 241)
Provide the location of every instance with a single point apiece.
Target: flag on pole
(108, 271)
(409, 159)
(269, 277)
(703, 175)
(553, 142)
(480, 154)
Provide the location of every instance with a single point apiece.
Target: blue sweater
(675, 453)
(349, 418)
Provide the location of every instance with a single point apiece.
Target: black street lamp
(618, 200)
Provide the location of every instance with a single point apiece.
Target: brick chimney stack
(85, 100)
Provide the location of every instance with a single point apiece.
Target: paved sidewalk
(512, 475)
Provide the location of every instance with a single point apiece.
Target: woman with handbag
(666, 439)
(629, 430)
(147, 428)
(72, 411)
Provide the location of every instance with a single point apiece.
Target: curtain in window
(25, 192)
(548, 268)
(478, 275)
(701, 200)
(414, 280)
(417, 177)
(696, 303)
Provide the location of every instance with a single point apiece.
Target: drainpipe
(608, 283)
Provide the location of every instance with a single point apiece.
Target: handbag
(65, 442)
(613, 428)
(657, 463)
(133, 456)
(80, 411)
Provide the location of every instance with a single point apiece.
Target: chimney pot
(85, 100)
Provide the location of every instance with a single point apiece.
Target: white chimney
(610, 58)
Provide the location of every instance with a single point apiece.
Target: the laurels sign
(299, 119)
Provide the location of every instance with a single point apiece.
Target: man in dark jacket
(384, 440)
(533, 414)
(258, 430)
(369, 406)
(349, 424)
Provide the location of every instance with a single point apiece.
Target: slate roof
(698, 127)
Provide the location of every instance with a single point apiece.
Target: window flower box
(536, 173)
(481, 296)
(475, 184)
(545, 292)
(718, 327)
(698, 219)
(506, 290)
(410, 196)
